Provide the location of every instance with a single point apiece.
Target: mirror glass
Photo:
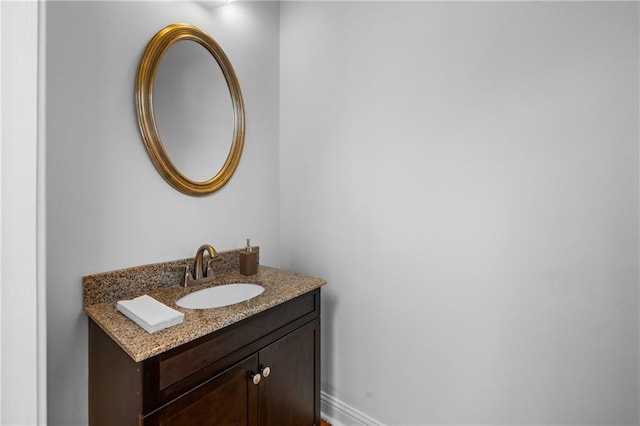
(193, 110)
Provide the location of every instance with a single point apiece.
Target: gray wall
(107, 207)
(465, 176)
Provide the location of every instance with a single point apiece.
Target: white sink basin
(218, 296)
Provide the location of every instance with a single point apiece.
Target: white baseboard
(339, 413)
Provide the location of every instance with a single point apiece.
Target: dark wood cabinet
(264, 370)
(227, 399)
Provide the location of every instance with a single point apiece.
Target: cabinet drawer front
(191, 364)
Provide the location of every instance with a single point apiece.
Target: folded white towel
(150, 314)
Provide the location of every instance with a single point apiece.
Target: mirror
(188, 93)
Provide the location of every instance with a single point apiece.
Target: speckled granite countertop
(280, 286)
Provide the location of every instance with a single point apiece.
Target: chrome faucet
(203, 270)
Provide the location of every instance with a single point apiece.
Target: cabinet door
(228, 399)
(290, 394)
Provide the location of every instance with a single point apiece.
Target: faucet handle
(210, 273)
(187, 277)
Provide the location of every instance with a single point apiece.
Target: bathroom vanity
(252, 363)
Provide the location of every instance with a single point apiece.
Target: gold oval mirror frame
(146, 116)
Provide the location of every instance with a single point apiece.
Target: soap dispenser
(249, 260)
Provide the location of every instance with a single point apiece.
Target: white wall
(465, 176)
(107, 207)
(21, 348)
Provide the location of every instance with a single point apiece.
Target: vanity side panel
(115, 382)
